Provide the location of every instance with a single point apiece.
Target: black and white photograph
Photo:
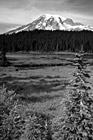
(46, 69)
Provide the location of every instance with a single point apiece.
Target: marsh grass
(41, 92)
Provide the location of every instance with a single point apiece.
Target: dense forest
(47, 41)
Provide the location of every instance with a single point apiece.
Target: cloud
(23, 11)
(50, 4)
(84, 2)
(31, 3)
(14, 3)
(18, 16)
(4, 27)
(84, 6)
(77, 6)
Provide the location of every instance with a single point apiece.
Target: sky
(14, 13)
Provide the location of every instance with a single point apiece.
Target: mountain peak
(52, 22)
(51, 15)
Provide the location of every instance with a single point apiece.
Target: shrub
(78, 121)
(18, 122)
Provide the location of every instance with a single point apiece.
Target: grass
(44, 89)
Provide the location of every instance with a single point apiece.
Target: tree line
(47, 41)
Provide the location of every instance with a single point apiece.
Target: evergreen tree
(4, 61)
(39, 40)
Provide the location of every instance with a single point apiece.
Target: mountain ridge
(52, 22)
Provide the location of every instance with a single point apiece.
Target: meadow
(42, 80)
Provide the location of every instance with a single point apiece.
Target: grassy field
(41, 80)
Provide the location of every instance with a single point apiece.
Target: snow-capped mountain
(52, 22)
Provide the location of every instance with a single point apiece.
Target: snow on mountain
(52, 22)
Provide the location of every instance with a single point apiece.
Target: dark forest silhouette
(48, 41)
